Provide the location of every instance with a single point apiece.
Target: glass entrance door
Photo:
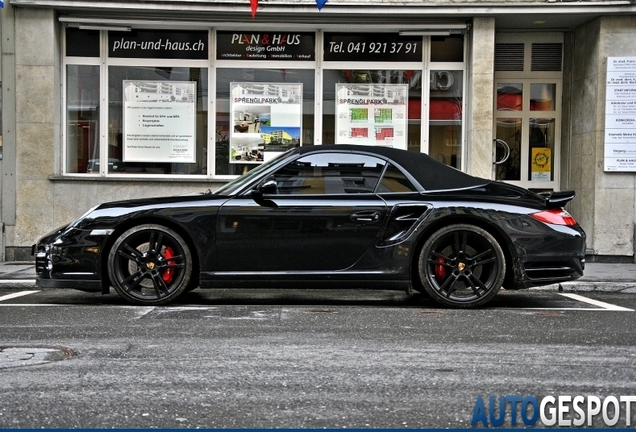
(526, 151)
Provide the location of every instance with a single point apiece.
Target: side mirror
(268, 187)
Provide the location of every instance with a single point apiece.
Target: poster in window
(372, 114)
(159, 121)
(541, 164)
(267, 120)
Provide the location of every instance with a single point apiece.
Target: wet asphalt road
(302, 359)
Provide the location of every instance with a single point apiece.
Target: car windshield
(240, 182)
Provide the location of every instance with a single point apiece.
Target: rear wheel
(150, 265)
(462, 266)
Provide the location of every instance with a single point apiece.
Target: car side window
(330, 173)
(394, 181)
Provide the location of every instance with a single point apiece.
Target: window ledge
(200, 180)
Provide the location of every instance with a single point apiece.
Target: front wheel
(462, 266)
(150, 265)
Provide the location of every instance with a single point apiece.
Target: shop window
(82, 119)
(373, 107)
(137, 102)
(445, 117)
(154, 115)
(261, 113)
(157, 120)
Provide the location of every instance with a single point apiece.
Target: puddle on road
(230, 313)
(18, 356)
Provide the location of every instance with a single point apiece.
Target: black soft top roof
(429, 173)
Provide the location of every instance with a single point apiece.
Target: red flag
(254, 4)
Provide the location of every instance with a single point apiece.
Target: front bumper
(69, 258)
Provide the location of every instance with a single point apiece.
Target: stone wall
(605, 203)
(37, 121)
(479, 120)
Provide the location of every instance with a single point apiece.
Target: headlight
(79, 219)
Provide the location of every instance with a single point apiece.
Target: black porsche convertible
(324, 216)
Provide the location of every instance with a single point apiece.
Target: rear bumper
(553, 254)
(550, 272)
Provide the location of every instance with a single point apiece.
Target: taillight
(555, 217)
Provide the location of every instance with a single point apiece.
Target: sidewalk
(597, 277)
(14, 270)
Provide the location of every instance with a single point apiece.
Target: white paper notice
(159, 121)
(620, 115)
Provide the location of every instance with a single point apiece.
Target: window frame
(104, 62)
(526, 78)
(212, 64)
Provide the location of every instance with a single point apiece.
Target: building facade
(108, 100)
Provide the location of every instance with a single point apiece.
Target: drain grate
(17, 356)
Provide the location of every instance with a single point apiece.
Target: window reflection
(509, 97)
(542, 97)
(508, 149)
(445, 117)
(329, 174)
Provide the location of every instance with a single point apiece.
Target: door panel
(318, 212)
(302, 233)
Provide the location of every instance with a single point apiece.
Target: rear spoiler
(557, 199)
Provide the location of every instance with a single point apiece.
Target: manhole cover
(16, 356)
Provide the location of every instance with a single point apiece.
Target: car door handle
(366, 216)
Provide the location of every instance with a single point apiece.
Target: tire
(462, 266)
(150, 265)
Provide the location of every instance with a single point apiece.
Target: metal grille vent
(509, 57)
(547, 57)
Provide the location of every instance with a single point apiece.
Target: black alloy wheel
(150, 265)
(462, 266)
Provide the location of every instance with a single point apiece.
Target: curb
(16, 283)
(618, 287)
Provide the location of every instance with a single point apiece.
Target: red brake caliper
(440, 270)
(169, 272)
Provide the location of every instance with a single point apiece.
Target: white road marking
(606, 306)
(15, 295)
(603, 306)
(32, 305)
(17, 281)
